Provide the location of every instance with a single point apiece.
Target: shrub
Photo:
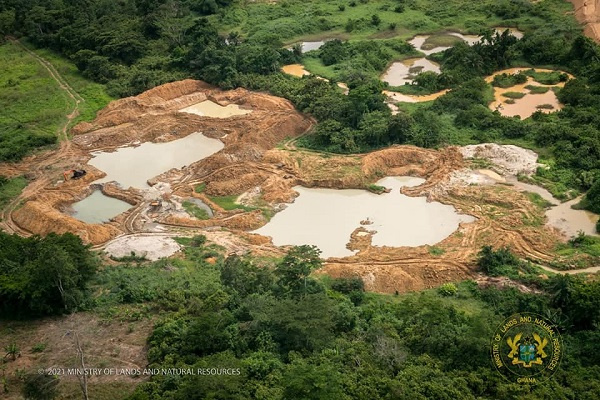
(448, 289)
(494, 262)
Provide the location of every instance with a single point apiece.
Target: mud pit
(403, 72)
(98, 208)
(327, 218)
(250, 163)
(211, 109)
(133, 166)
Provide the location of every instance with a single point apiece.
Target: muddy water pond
(98, 208)
(327, 217)
(209, 108)
(133, 166)
(295, 70)
(560, 215)
(403, 72)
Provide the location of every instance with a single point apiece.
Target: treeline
(290, 336)
(43, 276)
(134, 45)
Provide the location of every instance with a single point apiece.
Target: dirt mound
(512, 160)
(155, 116)
(587, 13)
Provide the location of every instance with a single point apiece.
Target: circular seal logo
(526, 348)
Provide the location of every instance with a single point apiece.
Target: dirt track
(250, 163)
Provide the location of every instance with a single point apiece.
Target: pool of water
(133, 166)
(327, 217)
(209, 108)
(419, 40)
(403, 72)
(98, 208)
(309, 46)
(560, 215)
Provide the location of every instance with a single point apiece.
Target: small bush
(198, 241)
(38, 347)
(495, 262)
(514, 95)
(341, 7)
(448, 289)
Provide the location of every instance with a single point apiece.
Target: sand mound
(512, 160)
(152, 247)
(587, 13)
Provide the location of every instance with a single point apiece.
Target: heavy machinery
(74, 174)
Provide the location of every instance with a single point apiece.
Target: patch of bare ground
(50, 343)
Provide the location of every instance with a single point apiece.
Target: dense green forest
(43, 276)
(287, 334)
(290, 335)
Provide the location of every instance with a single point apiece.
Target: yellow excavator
(74, 174)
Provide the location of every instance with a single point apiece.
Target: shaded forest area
(294, 335)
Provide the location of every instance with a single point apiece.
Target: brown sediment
(250, 161)
(154, 116)
(587, 13)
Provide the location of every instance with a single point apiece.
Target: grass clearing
(94, 94)
(230, 203)
(33, 107)
(538, 200)
(11, 188)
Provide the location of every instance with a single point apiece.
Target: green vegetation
(283, 333)
(132, 257)
(534, 89)
(509, 80)
(582, 243)
(347, 61)
(547, 78)
(34, 107)
(514, 95)
(591, 200)
(31, 116)
(194, 210)
(230, 203)
(43, 276)
(538, 200)
(200, 188)
(10, 188)
(377, 189)
(436, 251)
(544, 106)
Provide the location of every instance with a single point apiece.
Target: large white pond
(133, 166)
(98, 208)
(327, 217)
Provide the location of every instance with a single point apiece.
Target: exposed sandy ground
(252, 166)
(150, 246)
(587, 13)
